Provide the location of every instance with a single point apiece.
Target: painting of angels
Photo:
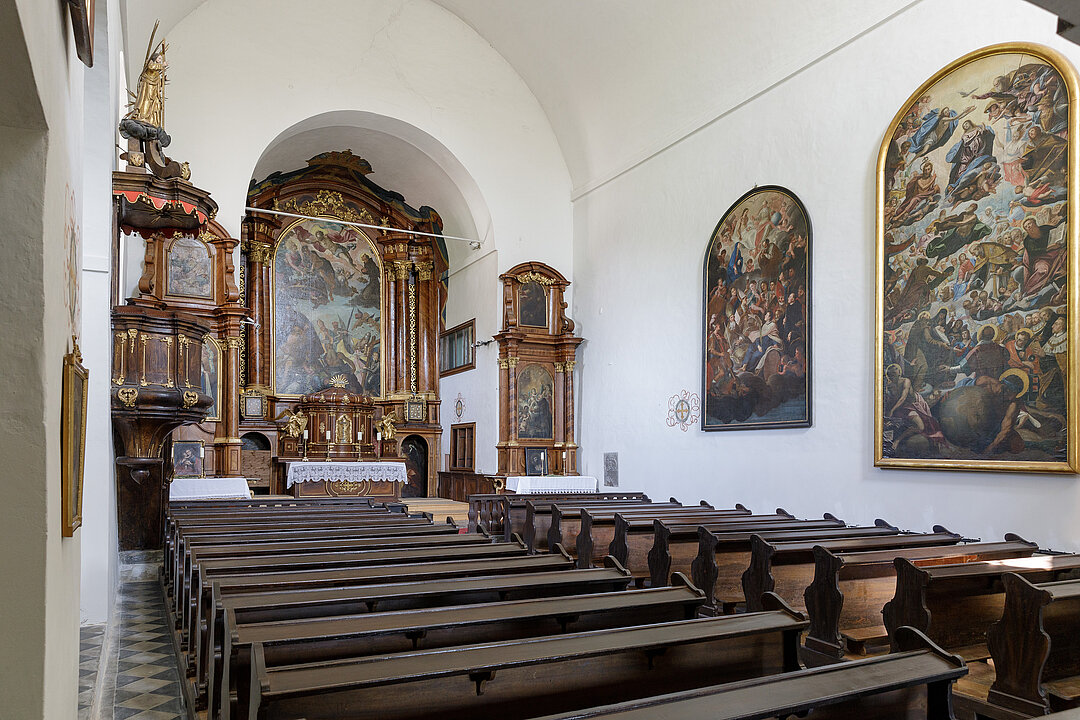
(974, 247)
(327, 309)
(756, 330)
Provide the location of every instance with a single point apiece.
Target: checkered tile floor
(147, 686)
(90, 637)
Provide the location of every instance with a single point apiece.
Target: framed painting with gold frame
(977, 268)
(72, 439)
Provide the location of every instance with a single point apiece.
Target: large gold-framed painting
(756, 365)
(977, 268)
(327, 306)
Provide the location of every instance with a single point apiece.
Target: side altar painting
(757, 315)
(975, 311)
(327, 309)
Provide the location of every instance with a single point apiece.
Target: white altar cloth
(209, 488)
(551, 483)
(301, 472)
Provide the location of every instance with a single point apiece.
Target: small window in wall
(456, 349)
(462, 444)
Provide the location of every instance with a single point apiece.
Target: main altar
(345, 479)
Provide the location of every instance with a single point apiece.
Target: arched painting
(757, 315)
(535, 403)
(975, 309)
(327, 309)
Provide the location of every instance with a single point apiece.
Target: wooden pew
(539, 517)
(635, 537)
(675, 546)
(500, 680)
(279, 606)
(1036, 647)
(787, 568)
(913, 683)
(849, 589)
(594, 530)
(954, 605)
(179, 561)
(723, 556)
(199, 640)
(206, 571)
(505, 513)
(304, 641)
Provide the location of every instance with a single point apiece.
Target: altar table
(322, 479)
(551, 484)
(209, 488)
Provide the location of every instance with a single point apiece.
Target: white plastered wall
(40, 184)
(639, 243)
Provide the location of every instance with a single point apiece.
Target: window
(456, 349)
(462, 444)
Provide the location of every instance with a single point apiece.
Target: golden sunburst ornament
(339, 381)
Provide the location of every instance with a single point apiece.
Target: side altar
(346, 479)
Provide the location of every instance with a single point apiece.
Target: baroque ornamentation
(327, 203)
(683, 410)
(128, 396)
(190, 398)
(533, 276)
(424, 270)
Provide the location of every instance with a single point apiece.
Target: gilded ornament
(424, 270)
(181, 341)
(570, 365)
(190, 398)
(328, 203)
(512, 361)
(504, 363)
(296, 424)
(386, 426)
(128, 396)
(401, 269)
(208, 237)
(339, 381)
(533, 276)
(234, 343)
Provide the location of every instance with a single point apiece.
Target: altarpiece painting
(327, 309)
(757, 315)
(976, 268)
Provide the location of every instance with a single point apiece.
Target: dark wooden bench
(635, 537)
(205, 572)
(304, 641)
(223, 585)
(724, 556)
(178, 557)
(490, 511)
(539, 517)
(516, 680)
(675, 546)
(1036, 647)
(954, 605)
(787, 568)
(914, 683)
(849, 589)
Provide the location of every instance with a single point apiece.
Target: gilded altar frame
(1071, 463)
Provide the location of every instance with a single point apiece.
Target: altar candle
(202, 451)
(327, 436)
(305, 433)
(378, 435)
(359, 435)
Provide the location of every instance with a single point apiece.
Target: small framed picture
(536, 461)
(187, 456)
(73, 439)
(253, 406)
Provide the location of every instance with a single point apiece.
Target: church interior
(328, 391)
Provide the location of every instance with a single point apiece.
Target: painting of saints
(532, 305)
(757, 315)
(327, 309)
(209, 374)
(535, 395)
(190, 269)
(970, 302)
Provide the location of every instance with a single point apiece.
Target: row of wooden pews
(342, 609)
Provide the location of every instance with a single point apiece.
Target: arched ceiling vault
(622, 79)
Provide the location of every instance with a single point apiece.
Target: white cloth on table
(300, 472)
(551, 483)
(209, 488)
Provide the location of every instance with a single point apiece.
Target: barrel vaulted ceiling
(620, 80)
